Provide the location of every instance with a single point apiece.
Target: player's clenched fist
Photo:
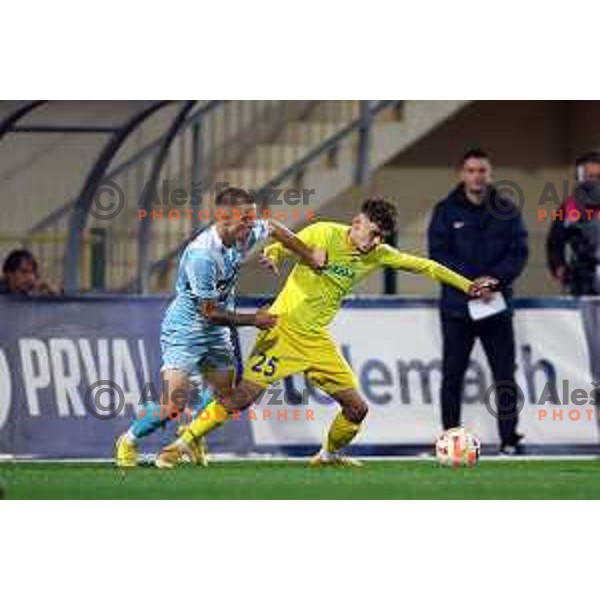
(264, 320)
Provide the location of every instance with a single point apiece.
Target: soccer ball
(457, 448)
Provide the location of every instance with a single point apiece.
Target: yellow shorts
(281, 351)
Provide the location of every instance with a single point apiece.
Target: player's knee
(357, 411)
(363, 410)
(241, 398)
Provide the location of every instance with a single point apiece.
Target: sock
(213, 415)
(148, 419)
(205, 396)
(341, 432)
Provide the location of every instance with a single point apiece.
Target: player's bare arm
(217, 315)
(316, 258)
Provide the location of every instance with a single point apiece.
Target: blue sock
(147, 420)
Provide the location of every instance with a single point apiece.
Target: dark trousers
(497, 337)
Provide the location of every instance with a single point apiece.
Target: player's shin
(208, 419)
(147, 420)
(152, 415)
(341, 432)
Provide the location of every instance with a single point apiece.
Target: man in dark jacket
(477, 232)
(573, 244)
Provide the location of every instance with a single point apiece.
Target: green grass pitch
(526, 479)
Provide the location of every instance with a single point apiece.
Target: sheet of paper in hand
(478, 309)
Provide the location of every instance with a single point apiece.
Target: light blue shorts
(197, 359)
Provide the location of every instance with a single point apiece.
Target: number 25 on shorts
(267, 365)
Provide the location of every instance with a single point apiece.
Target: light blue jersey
(208, 270)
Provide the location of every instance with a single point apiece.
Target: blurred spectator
(573, 244)
(478, 232)
(21, 275)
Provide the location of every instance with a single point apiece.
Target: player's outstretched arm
(218, 315)
(438, 272)
(316, 258)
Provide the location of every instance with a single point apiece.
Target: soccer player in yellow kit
(300, 343)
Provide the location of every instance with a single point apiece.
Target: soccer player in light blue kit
(196, 339)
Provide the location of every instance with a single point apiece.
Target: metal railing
(211, 142)
(361, 126)
(251, 144)
(316, 136)
(104, 243)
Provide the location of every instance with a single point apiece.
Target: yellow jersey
(310, 300)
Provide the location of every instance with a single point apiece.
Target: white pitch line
(224, 458)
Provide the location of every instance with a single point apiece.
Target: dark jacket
(490, 239)
(574, 243)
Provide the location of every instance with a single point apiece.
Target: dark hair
(474, 153)
(382, 212)
(587, 158)
(233, 196)
(16, 258)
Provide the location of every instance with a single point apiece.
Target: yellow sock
(341, 432)
(209, 418)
